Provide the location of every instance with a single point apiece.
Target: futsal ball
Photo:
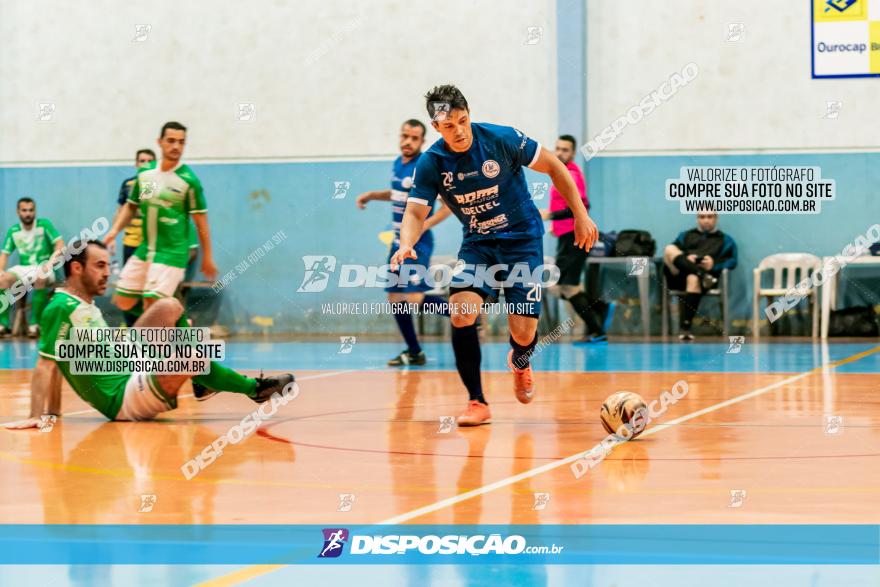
(620, 409)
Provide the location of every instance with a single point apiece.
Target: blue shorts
(416, 283)
(519, 277)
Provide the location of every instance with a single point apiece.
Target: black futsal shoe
(405, 359)
(266, 386)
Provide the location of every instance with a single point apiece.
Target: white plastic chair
(788, 269)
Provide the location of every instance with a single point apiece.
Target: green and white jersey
(34, 246)
(64, 313)
(167, 198)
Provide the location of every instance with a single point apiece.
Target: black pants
(127, 252)
(571, 261)
(689, 302)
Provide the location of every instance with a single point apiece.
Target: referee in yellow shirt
(133, 234)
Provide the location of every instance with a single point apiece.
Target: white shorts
(144, 399)
(30, 273)
(149, 280)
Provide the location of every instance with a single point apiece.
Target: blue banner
(440, 544)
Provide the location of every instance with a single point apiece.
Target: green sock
(4, 313)
(38, 303)
(132, 314)
(222, 378)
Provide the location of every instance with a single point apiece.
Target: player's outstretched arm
(119, 210)
(123, 218)
(410, 230)
(585, 231)
(383, 195)
(57, 251)
(208, 266)
(45, 395)
(8, 248)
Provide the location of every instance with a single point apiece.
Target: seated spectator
(693, 263)
(38, 244)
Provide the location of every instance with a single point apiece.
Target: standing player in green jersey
(138, 396)
(37, 243)
(169, 194)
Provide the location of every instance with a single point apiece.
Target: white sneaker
(33, 331)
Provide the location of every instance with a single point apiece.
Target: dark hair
(570, 139)
(79, 253)
(448, 95)
(147, 151)
(418, 123)
(171, 126)
(24, 200)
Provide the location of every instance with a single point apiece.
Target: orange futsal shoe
(523, 383)
(476, 413)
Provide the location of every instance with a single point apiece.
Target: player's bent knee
(522, 328)
(123, 302)
(565, 291)
(671, 252)
(171, 306)
(462, 320)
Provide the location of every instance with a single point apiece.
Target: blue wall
(300, 203)
(626, 192)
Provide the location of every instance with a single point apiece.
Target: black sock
(522, 354)
(687, 266)
(440, 306)
(581, 304)
(405, 324)
(689, 304)
(466, 346)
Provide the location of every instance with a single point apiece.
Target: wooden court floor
(375, 438)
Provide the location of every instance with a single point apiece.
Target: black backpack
(634, 243)
(856, 321)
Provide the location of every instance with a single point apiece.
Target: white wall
(327, 78)
(755, 94)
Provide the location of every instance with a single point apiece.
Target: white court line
(567, 460)
(304, 378)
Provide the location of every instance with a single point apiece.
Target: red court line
(269, 436)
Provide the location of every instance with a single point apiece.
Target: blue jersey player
(477, 169)
(402, 296)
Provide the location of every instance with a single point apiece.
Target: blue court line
(572, 544)
(656, 357)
